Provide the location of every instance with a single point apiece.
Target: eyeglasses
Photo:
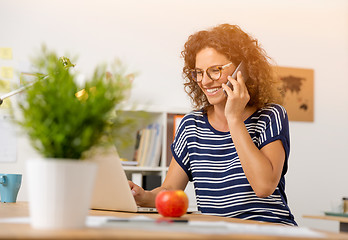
(213, 72)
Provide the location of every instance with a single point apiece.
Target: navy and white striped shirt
(210, 160)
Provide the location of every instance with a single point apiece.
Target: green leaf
(60, 123)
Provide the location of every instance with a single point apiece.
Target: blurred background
(148, 37)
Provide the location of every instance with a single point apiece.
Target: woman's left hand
(237, 98)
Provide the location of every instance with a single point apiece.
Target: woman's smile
(212, 91)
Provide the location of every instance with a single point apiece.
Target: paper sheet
(6, 72)
(257, 229)
(5, 53)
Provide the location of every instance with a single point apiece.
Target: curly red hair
(236, 45)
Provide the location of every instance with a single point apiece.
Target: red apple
(172, 203)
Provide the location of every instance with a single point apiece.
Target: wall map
(298, 92)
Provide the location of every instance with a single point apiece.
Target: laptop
(111, 190)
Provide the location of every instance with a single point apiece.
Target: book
(149, 145)
(144, 147)
(129, 163)
(176, 122)
(156, 146)
(140, 150)
(136, 146)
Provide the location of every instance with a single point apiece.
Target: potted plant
(64, 121)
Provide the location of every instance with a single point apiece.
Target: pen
(169, 220)
(159, 220)
(129, 220)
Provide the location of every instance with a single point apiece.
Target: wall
(148, 37)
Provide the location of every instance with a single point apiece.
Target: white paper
(256, 229)
(21, 220)
(91, 221)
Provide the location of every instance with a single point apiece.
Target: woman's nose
(206, 79)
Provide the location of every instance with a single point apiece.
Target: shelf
(163, 117)
(168, 120)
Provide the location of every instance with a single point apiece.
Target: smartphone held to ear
(242, 69)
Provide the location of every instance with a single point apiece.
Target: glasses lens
(214, 72)
(196, 75)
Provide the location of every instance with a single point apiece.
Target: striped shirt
(210, 160)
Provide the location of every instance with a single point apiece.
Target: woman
(235, 146)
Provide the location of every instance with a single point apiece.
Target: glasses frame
(220, 67)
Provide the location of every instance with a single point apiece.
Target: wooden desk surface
(325, 217)
(24, 231)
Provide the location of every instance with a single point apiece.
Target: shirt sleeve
(179, 147)
(277, 128)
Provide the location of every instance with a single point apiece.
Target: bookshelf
(167, 119)
(155, 115)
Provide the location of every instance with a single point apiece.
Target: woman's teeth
(212, 90)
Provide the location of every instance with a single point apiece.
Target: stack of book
(148, 146)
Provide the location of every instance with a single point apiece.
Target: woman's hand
(237, 98)
(138, 193)
(176, 179)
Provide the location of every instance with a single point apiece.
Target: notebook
(111, 190)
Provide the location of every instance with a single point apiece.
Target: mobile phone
(241, 67)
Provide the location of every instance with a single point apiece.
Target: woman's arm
(263, 168)
(176, 179)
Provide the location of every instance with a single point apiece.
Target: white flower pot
(60, 192)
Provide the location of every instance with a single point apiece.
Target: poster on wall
(298, 92)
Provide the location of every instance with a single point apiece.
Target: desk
(24, 231)
(342, 220)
